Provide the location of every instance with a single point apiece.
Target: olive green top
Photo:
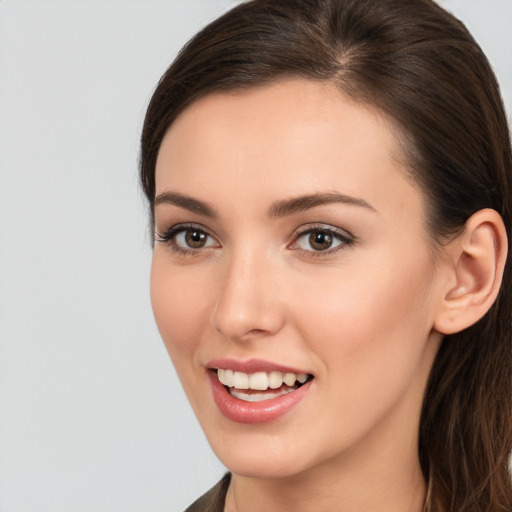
(214, 499)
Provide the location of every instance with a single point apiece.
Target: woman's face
(290, 240)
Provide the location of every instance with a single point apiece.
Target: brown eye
(195, 239)
(320, 240)
(187, 239)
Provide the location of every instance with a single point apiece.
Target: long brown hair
(420, 66)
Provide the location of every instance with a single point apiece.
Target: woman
(329, 183)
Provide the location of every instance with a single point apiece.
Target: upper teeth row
(259, 380)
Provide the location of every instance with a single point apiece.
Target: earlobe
(477, 260)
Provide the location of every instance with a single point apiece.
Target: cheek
(370, 333)
(370, 322)
(180, 306)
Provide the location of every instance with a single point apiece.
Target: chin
(263, 456)
(260, 467)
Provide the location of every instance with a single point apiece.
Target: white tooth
(258, 397)
(240, 395)
(221, 375)
(275, 380)
(289, 379)
(253, 398)
(259, 381)
(241, 380)
(228, 376)
(302, 377)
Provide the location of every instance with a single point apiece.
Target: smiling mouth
(260, 386)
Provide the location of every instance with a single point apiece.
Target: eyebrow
(186, 202)
(278, 209)
(303, 203)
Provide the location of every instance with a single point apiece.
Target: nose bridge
(247, 304)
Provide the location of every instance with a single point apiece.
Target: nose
(248, 301)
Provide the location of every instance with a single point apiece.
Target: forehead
(287, 138)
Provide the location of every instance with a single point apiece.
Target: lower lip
(241, 411)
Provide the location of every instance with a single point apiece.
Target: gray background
(92, 417)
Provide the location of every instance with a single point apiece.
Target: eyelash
(169, 238)
(344, 239)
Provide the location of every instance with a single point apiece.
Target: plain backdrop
(92, 417)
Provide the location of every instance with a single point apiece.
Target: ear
(474, 272)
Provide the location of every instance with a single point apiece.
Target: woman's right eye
(187, 239)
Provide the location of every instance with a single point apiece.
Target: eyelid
(345, 237)
(168, 237)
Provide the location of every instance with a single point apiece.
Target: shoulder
(213, 500)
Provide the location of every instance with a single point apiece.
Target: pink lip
(241, 411)
(251, 366)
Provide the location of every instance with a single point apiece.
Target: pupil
(195, 239)
(320, 241)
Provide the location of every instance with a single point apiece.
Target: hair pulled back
(420, 66)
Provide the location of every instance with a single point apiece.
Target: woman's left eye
(321, 240)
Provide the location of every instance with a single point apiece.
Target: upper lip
(251, 366)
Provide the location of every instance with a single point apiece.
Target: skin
(359, 317)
